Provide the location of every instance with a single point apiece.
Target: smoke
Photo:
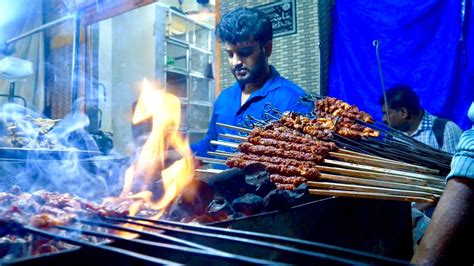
(37, 155)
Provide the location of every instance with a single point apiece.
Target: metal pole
(11, 95)
(40, 28)
(376, 44)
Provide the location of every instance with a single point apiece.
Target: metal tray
(45, 154)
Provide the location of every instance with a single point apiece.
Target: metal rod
(11, 94)
(147, 234)
(209, 171)
(251, 243)
(75, 59)
(299, 243)
(203, 251)
(106, 248)
(226, 144)
(221, 153)
(211, 160)
(234, 137)
(40, 28)
(234, 127)
(379, 64)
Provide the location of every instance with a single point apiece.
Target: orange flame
(164, 109)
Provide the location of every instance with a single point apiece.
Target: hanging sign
(283, 16)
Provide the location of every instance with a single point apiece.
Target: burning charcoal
(301, 195)
(192, 202)
(230, 184)
(255, 174)
(237, 215)
(177, 211)
(282, 199)
(248, 204)
(204, 219)
(220, 209)
(264, 188)
(277, 200)
(197, 196)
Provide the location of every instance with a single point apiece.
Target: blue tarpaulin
(425, 44)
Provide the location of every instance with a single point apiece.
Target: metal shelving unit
(188, 72)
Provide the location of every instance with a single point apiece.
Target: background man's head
(247, 37)
(403, 106)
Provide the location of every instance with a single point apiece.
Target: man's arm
(448, 238)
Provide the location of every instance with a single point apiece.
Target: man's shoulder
(453, 126)
(289, 86)
(226, 92)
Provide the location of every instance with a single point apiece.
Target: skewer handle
(211, 160)
(351, 187)
(221, 153)
(428, 178)
(246, 130)
(377, 162)
(234, 137)
(209, 171)
(368, 195)
(226, 144)
(380, 183)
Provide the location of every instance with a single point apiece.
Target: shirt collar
(271, 84)
(426, 123)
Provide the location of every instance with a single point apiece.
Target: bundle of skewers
(390, 143)
(329, 152)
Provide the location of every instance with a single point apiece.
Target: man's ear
(404, 113)
(267, 49)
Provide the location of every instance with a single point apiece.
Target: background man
(405, 114)
(246, 35)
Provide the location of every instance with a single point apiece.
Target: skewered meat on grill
(293, 137)
(291, 147)
(336, 107)
(248, 147)
(282, 169)
(320, 128)
(29, 132)
(314, 149)
(295, 180)
(43, 208)
(346, 115)
(275, 160)
(285, 186)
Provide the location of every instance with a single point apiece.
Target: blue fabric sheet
(424, 44)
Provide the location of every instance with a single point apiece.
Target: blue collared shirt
(281, 93)
(425, 133)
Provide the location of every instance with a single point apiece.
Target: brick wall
(295, 56)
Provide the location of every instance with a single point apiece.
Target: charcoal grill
(174, 242)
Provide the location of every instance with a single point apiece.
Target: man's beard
(253, 74)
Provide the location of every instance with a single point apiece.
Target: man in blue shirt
(448, 239)
(246, 34)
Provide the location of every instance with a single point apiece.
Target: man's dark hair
(245, 24)
(402, 96)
